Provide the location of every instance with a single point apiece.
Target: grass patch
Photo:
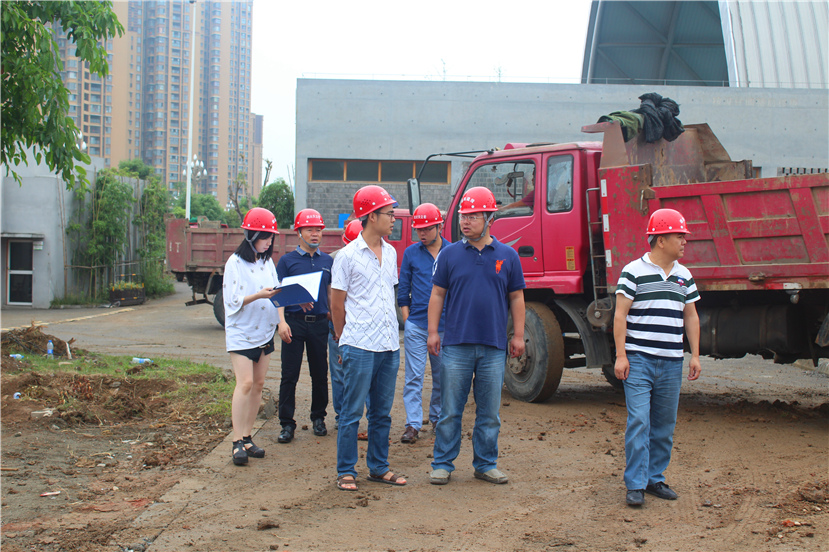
(200, 388)
(76, 299)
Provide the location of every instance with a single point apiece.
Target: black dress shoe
(287, 435)
(319, 428)
(636, 497)
(661, 490)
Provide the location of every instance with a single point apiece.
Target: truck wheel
(535, 376)
(219, 308)
(610, 376)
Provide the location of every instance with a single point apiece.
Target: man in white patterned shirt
(655, 299)
(365, 325)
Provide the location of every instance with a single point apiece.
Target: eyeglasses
(389, 213)
(471, 217)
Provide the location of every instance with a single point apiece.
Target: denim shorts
(256, 352)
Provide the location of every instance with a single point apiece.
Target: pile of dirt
(31, 341)
(71, 400)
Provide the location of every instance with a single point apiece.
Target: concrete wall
(378, 120)
(38, 211)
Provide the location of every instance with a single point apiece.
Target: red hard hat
(352, 230)
(261, 220)
(308, 217)
(667, 221)
(426, 215)
(370, 198)
(476, 200)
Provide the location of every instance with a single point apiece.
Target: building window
(377, 171)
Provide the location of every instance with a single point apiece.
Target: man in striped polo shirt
(655, 307)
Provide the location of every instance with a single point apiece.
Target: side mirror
(413, 187)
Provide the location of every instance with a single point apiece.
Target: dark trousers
(313, 338)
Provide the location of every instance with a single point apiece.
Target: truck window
(397, 233)
(560, 184)
(512, 183)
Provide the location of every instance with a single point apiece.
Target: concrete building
(34, 251)
(352, 133)
(735, 43)
(740, 66)
(141, 109)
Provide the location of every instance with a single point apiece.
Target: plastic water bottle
(17, 357)
(50, 349)
(137, 360)
(17, 396)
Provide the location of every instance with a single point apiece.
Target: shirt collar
(647, 258)
(303, 252)
(490, 245)
(361, 243)
(443, 243)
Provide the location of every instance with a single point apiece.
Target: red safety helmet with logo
(352, 230)
(260, 220)
(476, 200)
(667, 221)
(370, 198)
(308, 218)
(426, 215)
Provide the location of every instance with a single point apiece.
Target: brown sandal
(393, 479)
(346, 479)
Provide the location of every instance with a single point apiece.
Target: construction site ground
(750, 462)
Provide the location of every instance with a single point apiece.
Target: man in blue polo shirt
(305, 330)
(481, 282)
(413, 291)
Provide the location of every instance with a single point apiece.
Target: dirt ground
(751, 465)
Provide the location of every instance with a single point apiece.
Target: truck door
(518, 198)
(562, 224)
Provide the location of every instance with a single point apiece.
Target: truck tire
(610, 376)
(535, 376)
(219, 308)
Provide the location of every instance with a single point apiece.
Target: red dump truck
(576, 214)
(198, 253)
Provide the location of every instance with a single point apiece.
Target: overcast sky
(526, 41)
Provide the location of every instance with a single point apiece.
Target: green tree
(35, 102)
(202, 205)
(150, 220)
(278, 198)
(136, 167)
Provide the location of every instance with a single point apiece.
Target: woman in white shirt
(250, 323)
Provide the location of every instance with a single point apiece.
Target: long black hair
(246, 251)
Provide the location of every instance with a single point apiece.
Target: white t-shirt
(370, 313)
(253, 324)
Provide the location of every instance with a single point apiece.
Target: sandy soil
(751, 465)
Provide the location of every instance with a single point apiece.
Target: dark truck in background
(196, 253)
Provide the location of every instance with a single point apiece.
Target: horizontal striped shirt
(655, 323)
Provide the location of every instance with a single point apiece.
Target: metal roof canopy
(659, 43)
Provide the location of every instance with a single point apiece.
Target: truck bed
(746, 233)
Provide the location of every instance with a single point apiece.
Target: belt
(306, 317)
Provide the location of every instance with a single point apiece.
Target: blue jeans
(366, 374)
(336, 370)
(482, 368)
(652, 398)
(414, 343)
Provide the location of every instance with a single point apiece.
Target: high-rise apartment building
(141, 110)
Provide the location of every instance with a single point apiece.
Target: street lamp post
(192, 95)
(194, 171)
